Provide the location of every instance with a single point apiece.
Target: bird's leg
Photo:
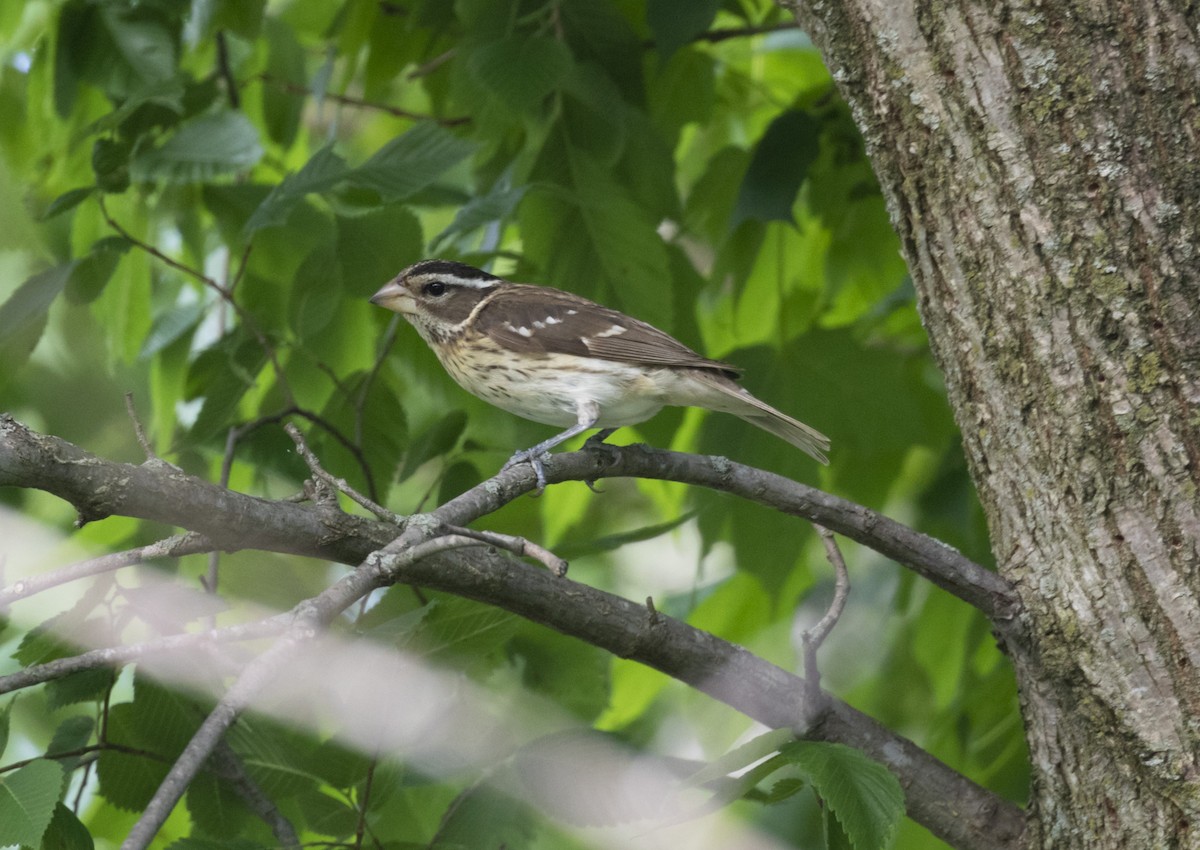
(588, 413)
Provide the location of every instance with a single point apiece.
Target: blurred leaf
(93, 271)
(201, 149)
(5, 723)
(484, 817)
(323, 171)
(494, 206)
(110, 162)
(67, 201)
(521, 70)
(434, 441)
(676, 22)
(26, 308)
(315, 292)
(282, 109)
(142, 39)
(28, 796)
(170, 325)
(373, 247)
(779, 165)
(411, 162)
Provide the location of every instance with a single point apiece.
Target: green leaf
(862, 794)
(521, 71)
(28, 797)
(463, 632)
(281, 108)
(27, 306)
(5, 721)
(494, 206)
(315, 292)
(780, 163)
(72, 734)
(373, 247)
(676, 22)
(323, 171)
(434, 441)
(142, 40)
(83, 686)
(201, 149)
(110, 162)
(66, 832)
(95, 270)
(170, 325)
(411, 162)
(67, 201)
(215, 808)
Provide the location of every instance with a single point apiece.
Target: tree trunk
(1040, 163)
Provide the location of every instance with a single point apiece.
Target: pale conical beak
(396, 297)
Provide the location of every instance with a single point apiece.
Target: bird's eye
(434, 289)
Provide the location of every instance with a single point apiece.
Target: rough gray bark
(1039, 160)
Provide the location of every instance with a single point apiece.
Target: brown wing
(526, 318)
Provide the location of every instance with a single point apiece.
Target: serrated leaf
(28, 796)
(66, 832)
(72, 734)
(78, 687)
(521, 70)
(411, 162)
(315, 291)
(215, 808)
(201, 149)
(861, 793)
(464, 630)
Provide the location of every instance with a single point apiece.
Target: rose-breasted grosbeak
(560, 359)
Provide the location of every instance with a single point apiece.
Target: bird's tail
(732, 398)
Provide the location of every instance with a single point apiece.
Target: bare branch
(516, 545)
(307, 620)
(138, 429)
(814, 637)
(951, 806)
(359, 103)
(339, 484)
(171, 547)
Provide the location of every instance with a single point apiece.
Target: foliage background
(687, 162)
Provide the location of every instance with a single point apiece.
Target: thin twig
(307, 621)
(339, 484)
(516, 545)
(812, 639)
(359, 103)
(190, 543)
(229, 766)
(225, 71)
(246, 319)
(138, 430)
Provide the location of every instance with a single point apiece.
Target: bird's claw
(535, 461)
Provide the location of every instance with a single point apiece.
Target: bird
(560, 359)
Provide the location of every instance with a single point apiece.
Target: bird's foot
(534, 458)
(596, 443)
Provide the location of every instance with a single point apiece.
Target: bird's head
(436, 296)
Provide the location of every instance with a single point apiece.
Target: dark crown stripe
(450, 269)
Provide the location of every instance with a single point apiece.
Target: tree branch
(951, 806)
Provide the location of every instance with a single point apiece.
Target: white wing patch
(615, 330)
(525, 332)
